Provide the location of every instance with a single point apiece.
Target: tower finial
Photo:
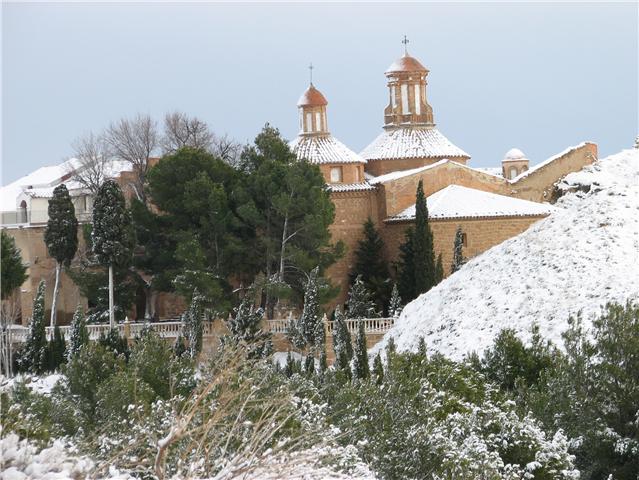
(405, 42)
(310, 69)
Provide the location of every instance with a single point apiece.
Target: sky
(536, 76)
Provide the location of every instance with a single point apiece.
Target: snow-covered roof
(546, 162)
(411, 142)
(322, 149)
(350, 187)
(456, 201)
(582, 256)
(495, 171)
(514, 154)
(387, 177)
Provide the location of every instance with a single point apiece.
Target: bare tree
(134, 140)
(93, 155)
(227, 149)
(180, 130)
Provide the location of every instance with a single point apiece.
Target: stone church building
(490, 204)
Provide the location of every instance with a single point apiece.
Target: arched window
(22, 215)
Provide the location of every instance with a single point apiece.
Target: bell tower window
(336, 174)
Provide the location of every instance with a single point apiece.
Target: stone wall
(481, 234)
(537, 184)
(351, 172)
(381, 167)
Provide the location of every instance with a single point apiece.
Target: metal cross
(310, 69)
(405, 42)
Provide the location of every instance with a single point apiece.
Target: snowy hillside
(583, 255)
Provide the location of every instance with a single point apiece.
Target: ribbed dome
(406, 64)
(312, 97)
(515, 154)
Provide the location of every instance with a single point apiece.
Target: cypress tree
(361, 369)
(378, 369)
(395, 306)
(406, 267)
(342, 344)
(458, 251)
(193, 324)
(35, 349)
(245, 327)
(12, 272)
(360, 304)
(79, 335)
(370, 265)
(391, 348)
(60, 236)
(112, 233)
(425, 268)
(421, 347)
(289, 367)
(309, 365)
(439, 270)
(311, 319)
(56, 349)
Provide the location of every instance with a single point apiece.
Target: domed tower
(410, 139)
(315, 144)
(514, 163)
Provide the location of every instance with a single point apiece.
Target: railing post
(325, 321)
(127, 328)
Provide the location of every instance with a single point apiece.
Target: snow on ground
(586, 253)
(41, 385)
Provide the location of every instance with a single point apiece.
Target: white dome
(515, 154)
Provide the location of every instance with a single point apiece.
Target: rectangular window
(309, 122)
(336, 174)
(405, 109)
(394, 96)
(318, 121)
(418, 100)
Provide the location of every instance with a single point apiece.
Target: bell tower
(407, 91)
(312, 108)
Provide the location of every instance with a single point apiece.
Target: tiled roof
(411, 142)
(321, 149)
(406, 63)
(350, 187)
(312, 97)
(456, 201)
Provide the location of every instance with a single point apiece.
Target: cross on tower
(405, 42)
(310, 69)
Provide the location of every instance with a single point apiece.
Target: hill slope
(583, 255)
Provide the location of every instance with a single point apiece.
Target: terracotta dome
(406, 64)
(312, 97)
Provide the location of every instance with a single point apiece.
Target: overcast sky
(538, 76)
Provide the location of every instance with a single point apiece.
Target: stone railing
(371, 325)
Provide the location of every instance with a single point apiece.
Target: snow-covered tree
(112, 234)
(360, 304)
(361, 369)
(378, 369)
(342, 344)
(245, 327)
(193, 325)
(637, 142)
(310, 322)
(79, 335)
(395, 306)
(34, 358)
(458, 251)
(56, 349)
(60, 236)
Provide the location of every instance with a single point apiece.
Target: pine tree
(60, 236)
(371, 266)
(193, 326)
(425, 269)
(342, 344)
(395, 305)
(378, 370)
(35, 349)
(79, 335)
(311, 320)
(406, 267)
(56, 350)
(458, 253)
(112, 234)
(360, 304)
(439, 270)
(361, 369)
(179, 347)
(245, 327)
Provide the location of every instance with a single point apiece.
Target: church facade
(490, 204)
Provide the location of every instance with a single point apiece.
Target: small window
(513, 172)
(336, 174)
(464, 240)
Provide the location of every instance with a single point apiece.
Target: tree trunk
(111, 306)
(54, 302)
(283, 249)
